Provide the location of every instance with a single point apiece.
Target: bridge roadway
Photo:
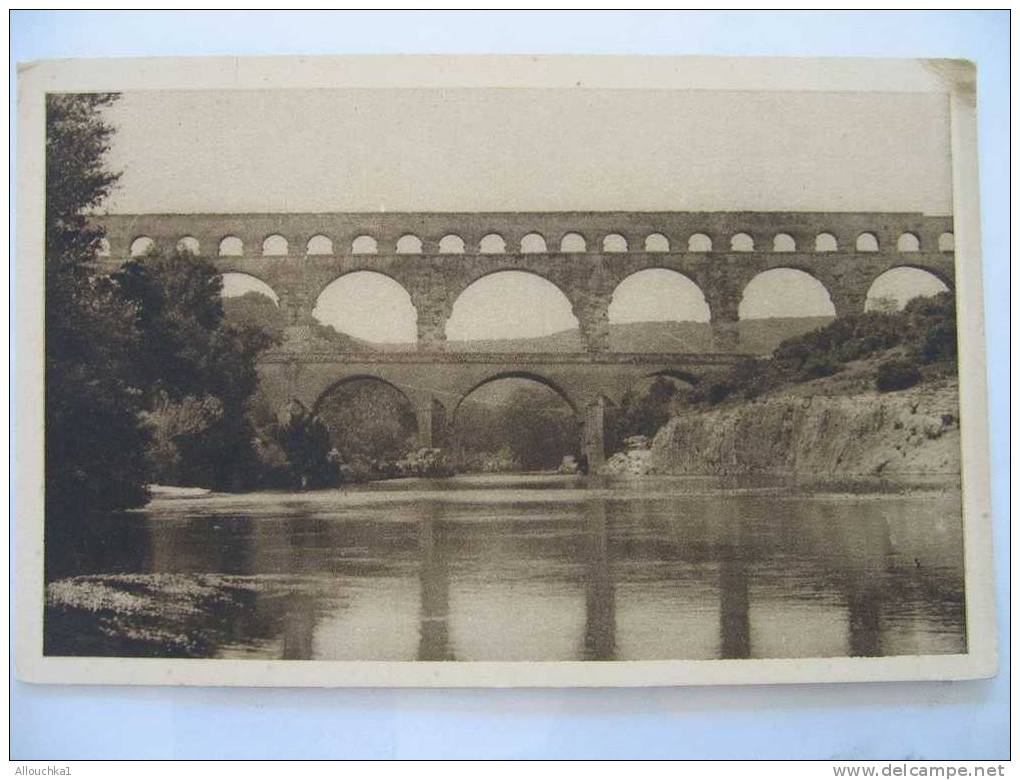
(435, 383)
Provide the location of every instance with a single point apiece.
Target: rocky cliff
(902, 433)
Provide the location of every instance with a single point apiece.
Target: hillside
(820, 430)
(870, 394)
(758, 337)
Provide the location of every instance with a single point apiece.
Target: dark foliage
(94, 440)
(369, 419)
(538, 429)
(844, 339)
(643, 412)
(257, 311)
(77, 179)
(932, 324)
(896, 374)
(924, 333)
(190, 351)
(304, 442)
(529, 429)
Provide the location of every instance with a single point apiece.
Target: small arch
(274, 246)
(867, 242)
(699, 242)
(908, 242)
(783, 242)
(409, 245)
(188, 244)
(947, 242)
(319, 245)
(826, 242)
(451, 245)
(573, 242)
(614, 242)
(785, 292)
(364, 245)
(893, 289)
(231, 246)
(656, 242)
(103, 248)
(533, 243)
(741, 242)
(143, 245)
(492, 244)
(236, 284)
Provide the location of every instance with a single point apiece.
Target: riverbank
(158, 615)
(815, 430)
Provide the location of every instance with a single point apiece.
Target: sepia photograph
(582, 372)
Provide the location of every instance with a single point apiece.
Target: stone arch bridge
(436, 256)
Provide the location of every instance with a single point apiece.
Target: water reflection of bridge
(435, 589)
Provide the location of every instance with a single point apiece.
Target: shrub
(932, 324)
(896, 374)
(718, 392)
(817, 366)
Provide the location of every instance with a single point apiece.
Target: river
(480, 568)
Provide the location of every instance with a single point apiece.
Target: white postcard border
(956, 79)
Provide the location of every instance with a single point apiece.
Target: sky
(530, 149)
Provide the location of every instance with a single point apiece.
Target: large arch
(574, 404)
(239, 283)
(352, 303)
(658, 294)
(785, 291)
(894, 288)
(681, 374)
(333, 386)
(514, 420)
(510, 303)
(368, 416)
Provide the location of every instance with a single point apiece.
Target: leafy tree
(189, 352)
(642, 412)
(304, 441)
(255, 310)
(369, 419)
(540, 431)
(932, 321)
(95, 441)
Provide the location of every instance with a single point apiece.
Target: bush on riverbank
(424, 462)
(920, 342)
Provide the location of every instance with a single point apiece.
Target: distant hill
(757, 337)
(253, 309)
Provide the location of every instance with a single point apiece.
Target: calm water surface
(550, 568)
